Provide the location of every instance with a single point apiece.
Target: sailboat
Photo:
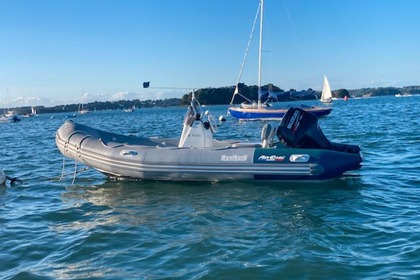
(129, 110)
(8, 115)
(256, 111)
(82, 110)
(326, 95)
(32, 114)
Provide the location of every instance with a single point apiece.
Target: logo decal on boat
(271, 158)
(299, 158)
(292, 119)
(234, 157)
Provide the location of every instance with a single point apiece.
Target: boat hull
(161, 159)
(274, 114)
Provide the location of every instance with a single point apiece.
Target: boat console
(197, 132)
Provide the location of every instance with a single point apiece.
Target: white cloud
(124, 95)
(91, 97)
(28, 101)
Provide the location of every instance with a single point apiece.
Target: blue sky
(56, 51)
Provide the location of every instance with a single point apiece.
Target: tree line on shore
(223, 96)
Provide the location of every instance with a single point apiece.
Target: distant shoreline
(220, 96)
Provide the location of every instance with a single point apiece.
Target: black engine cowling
(300, 129)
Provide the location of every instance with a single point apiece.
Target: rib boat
(295, 150)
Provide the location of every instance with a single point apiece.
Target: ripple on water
(362, 225)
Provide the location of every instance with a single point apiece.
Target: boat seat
(267, 135)
(110, 144)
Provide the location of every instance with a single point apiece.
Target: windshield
(194, 112)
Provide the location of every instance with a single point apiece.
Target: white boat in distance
(32, 114)
(9, 118)
(82, 110)
(326, 95)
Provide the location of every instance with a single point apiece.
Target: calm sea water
(365, 225)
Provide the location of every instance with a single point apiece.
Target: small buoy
(4, 178)
(222, 118)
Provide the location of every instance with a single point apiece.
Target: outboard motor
(300, 129)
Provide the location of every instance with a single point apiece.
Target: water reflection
(208, 209)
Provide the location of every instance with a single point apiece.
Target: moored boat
(259, 110)
(32, 114)
(4, 119)
(295, 150)
(273, 114)
(9, 118)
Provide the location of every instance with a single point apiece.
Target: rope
(62, 169)
(75, 172)
(247, 50)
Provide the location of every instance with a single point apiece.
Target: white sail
(326, 95)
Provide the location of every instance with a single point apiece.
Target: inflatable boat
(295, 150)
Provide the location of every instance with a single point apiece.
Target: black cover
(300, 129)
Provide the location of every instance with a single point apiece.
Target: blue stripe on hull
(271, 114)
(245, 115)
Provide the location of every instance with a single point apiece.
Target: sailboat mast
(260, 53)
